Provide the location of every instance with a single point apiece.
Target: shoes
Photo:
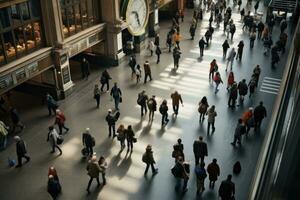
(232, 143)
(28, 159)
(18, 166)
(155, 171)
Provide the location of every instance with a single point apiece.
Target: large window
(78, 15)
(20, 30)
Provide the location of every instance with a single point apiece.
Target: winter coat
(227, 189)
(148, 157)
(176, 98)
(225, 46)
(246, 116)
(52, 137)
(87, 139)
(115, 92)
(200, 173)
(129, 134)
(260, 112)
(213, 171)
(211, 115)
(110, 119)
(202, 107)
(54, 188)
(163, 109)
(243, 88)
(93, 169)
(147, 69)
(21, 148)
(200, 148)
(233, 92)
(60, 118)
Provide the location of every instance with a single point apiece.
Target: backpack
(237, 168)
(140, 99)
(150, 104)
(93, 141)
(202, 108)
(176, 171)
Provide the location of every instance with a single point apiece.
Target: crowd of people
(218, 10)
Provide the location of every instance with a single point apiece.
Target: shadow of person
(124, 166)
(138, 125)
(146, 130)
(94, 193)
(173, 72)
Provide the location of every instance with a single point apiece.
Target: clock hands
(137, 17)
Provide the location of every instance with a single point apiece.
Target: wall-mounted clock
(136, 14)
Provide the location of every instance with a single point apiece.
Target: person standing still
(60, 121)
(147, 71)
(88, 141)
(97, 95)
(211, 113)
(158, 52)
(149, 160)
(200, 150)
(116, 95)
(142, 101)
(21, 151)
(52, 139)
(93, 169)
(152, 106)
(176, 98)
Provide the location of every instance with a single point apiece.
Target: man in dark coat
(15, 118)
(202, 44)
(21, 151)
(260, 28)
(147, 71)
(142, 101)
(233, 93)
(176, 57)
(225, 46)
(158, 52)
(239, 131)
(200, 150)
(227, 189)
(88, 141)
(260, 113)
(116, 93)
(111, 121)
(104, 80)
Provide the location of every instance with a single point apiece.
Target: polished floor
(125, 178)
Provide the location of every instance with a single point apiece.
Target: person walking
(103, 166)
(138, 73)
(240, 50)
(176, 38)
(178, 150)
(147, 71)
(217, 80)
(52, 139)
(239, 131)
(53, 187)
(247, 115)
(104, 80)
(121, 136)
(130, 138)
(149, 160)
(200, 150)
(260, 28)
(252, 39)
(142, 101)
(152, 106)
(230, 80)
(158, 52)
(227, 189)
(211, 113)
(192, 30)
(213, 68)
(213, 171)
(51, 104)
(268, 42)
(230, 59)
(21, 151)
(60, 120)
(243, 89)
(132, 64)
(16, 121)
(88, 142)
(233, 94)
(93, 169)
(232, 30)
(274, 56)
(200, 177)
(176, 98)
(111, 122)
(156, 40)
(176, 57)
(208, 35)
(202, 44)
(283, 26)
(52, 171)
(169, 41)
(151, 47)
(260, 112)
(202, 109)
(97, 95)
(3, 135)
(181, 172)
(225, 47)
(116, 95)
(163, 109)
(256, 73)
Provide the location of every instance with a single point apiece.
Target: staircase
(283, 5)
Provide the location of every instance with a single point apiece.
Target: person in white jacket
(52, 139)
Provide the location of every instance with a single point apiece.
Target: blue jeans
(178, 183)
(117, 101)
(3, 141)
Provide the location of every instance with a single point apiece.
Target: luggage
(84, 152)
(60, 140)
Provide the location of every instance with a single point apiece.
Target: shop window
(35, 8)
(71, 20)
(16, 15)
(90, 12)
(24, 10)
(37, 33)
(78, 22)
(30, 38)
(84, 14)
(4, 18)
(2, 56)
(9, 45)
(20, 40)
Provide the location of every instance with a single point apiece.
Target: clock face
(137, 13)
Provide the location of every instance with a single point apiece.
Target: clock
(136, 15)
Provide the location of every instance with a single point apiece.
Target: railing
(269, 161)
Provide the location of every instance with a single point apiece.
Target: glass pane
(65, 23)
(37, 32)
(90, 11)
(30, 40)
(2, 58)
(4, 18)
(25, 11)
(15, 15)
(9, 45)
(84, 13)
(35, 8)
(77, 17)
(71, 20)
(20, 40)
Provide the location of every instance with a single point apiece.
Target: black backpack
(237, 168)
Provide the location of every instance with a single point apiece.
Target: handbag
(59, 140)
(121, 99)
(134, 140)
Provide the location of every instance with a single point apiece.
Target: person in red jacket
(60, 121)
(230, 80)
(247, 118)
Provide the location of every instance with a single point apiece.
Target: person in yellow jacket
(176, 38)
